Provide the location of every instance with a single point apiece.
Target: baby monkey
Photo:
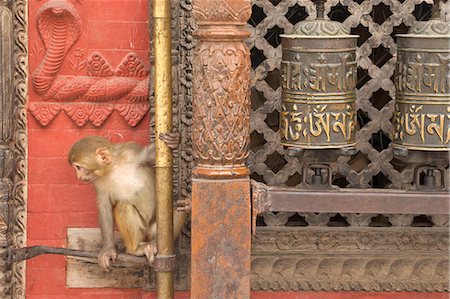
(124, 180)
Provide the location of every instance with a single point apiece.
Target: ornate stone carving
(132, 66)
(94, 114)
(370, 259)
(98, 66)
(19, 144)
(375, 240)
(59, 26)
(341, 272)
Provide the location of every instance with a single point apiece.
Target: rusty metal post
(220, 133)
(164, 159)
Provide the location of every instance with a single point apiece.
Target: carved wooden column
(220, 135)
(6, 132)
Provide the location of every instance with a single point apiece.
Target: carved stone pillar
(220, 136)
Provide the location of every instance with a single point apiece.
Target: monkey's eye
(77, 167)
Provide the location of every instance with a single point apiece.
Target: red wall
(56, 200)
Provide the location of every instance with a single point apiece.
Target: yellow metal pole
(164, 161)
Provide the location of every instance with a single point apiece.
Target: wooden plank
(85, 273)
(358, 201)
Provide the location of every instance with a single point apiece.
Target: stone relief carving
(123, 89)
(369, 259)
(369, 273)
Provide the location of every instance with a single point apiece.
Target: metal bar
(359, 201)
(164, 159)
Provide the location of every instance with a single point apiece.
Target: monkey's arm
(148, 153)
(105, 211)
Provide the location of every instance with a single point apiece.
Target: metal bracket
(308, 180)
(443, 185)
(164, 263)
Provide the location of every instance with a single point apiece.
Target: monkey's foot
(150, 252)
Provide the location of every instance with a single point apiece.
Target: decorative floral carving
(132, 66)
(44, 113)
(133, 113)
(80, 115)
(100, 113)
(98, 66)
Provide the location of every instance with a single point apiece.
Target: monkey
(123, 175)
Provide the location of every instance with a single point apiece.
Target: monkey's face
(83, 174)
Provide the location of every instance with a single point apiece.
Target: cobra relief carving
(89, 98)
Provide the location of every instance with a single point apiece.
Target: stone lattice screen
(376, 22)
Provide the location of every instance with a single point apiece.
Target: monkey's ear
(103, 155)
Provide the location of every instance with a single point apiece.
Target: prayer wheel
(422, 81)
(318, 85)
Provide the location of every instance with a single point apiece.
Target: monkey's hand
(171, 139)
(106, 256)
(184, 205)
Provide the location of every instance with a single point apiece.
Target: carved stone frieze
(369, 259)
(373, 240)
(111, 89)
(350, 273)
(95, 114)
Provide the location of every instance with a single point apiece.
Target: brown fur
(125, 184)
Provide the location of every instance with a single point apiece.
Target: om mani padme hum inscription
(318, 86)
(422, 81)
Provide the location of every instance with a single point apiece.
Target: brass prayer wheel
(422, 81)
(318, 85)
